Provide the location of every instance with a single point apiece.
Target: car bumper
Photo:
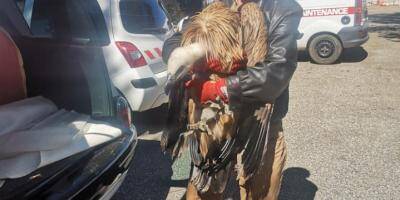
(113, 188)
(354, 36)
(143, 93)
(106, 184)
(91, 174)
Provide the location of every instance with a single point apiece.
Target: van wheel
(325, 49)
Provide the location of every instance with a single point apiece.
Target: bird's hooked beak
(180, 62)
(172, 79)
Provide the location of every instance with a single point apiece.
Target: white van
(329, 26)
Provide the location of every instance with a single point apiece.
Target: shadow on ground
(386, 25)
(149, 176)
(151, 121)
(350, 55)
(295, 185)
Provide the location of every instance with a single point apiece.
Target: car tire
(325, 49)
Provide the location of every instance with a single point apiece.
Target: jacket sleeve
(267, 80)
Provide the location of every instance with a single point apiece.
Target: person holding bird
(229, 76)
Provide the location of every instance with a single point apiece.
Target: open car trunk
(57, 141)
(67, 87)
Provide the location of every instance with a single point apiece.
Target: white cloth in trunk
(59, 128)
(51, 136)
(23, 114)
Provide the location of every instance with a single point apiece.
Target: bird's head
(181, 61)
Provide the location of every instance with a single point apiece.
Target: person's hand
(209, 90)
(213, 90)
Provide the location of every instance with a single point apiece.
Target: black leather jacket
(268, 81)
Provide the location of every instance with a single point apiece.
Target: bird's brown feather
(228, 35)
(254, 33)
(217, 28)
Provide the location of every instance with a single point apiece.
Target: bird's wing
(177, 116)
(254, 128)
(254, 33)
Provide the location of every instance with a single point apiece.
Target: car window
(142, 16)
(66, 19)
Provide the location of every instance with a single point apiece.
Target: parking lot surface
(342, 129)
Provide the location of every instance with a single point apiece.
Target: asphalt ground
(342, 129)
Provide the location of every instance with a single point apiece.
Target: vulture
(212, 132)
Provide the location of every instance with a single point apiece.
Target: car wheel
(325, 49)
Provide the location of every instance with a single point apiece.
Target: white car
(329, 26)
(137, 31)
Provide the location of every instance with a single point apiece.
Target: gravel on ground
(342, 129)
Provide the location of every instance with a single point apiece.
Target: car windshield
(142, 16)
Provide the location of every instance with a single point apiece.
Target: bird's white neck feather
(185, 57)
